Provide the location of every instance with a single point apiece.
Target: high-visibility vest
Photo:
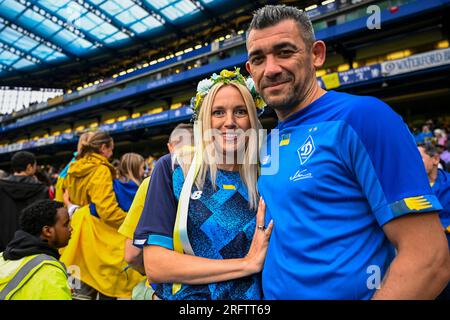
(18, 272)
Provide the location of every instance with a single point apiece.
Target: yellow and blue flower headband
(225, 76)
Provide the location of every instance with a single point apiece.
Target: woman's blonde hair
(83, 140)
(129, 167)
(93, 143)
(248, 165)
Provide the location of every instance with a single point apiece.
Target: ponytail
(93, 143)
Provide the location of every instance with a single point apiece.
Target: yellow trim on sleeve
(417, 203)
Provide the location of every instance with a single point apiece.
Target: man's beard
(295, 96)
(290, 101)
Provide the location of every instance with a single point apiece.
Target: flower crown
(226, 76)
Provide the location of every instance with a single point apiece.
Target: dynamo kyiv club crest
(306, 150)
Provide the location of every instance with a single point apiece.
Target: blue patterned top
(220, 226)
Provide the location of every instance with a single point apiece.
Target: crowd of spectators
(436, 134)
(48, 174)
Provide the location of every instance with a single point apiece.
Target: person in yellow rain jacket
(29, 266)
(96, 248)
(59, 192)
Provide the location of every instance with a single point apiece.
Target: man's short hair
(430, 149)
(21, 160)
(39, 214)
(271, 15)
(181, 128)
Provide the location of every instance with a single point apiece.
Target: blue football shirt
(441, 188)
(332, 175)
(220, 226)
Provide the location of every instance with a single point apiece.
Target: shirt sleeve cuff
(139, 242)
(162, 241)
(418, 204)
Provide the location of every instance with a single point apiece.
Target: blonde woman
(131, 168)
(201, 239)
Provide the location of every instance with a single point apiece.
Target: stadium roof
(43, 31)
(40, 34)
